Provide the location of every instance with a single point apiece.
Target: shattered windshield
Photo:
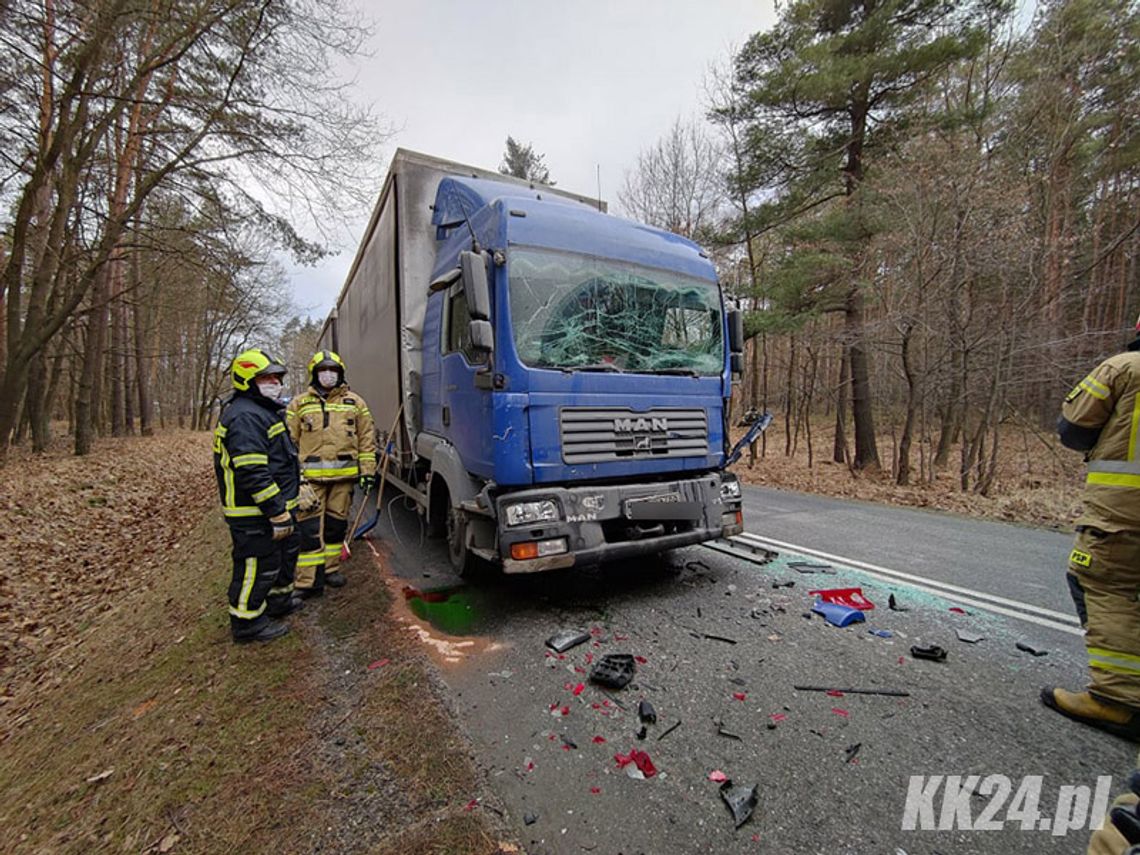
(575, 312)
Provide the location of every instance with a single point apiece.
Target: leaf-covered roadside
(82, 535)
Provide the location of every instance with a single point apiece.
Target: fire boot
(270, 630)
(335, 579)
(1086, 708)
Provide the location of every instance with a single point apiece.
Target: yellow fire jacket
(1109, 399)
(334, 434)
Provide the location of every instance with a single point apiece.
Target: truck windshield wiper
(595, 366)
(680, 372)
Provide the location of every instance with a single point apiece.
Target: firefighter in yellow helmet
(258, 478)
(1101, 417)
(336, 443)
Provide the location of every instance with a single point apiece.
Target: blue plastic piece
(882, 633)
(836, 614)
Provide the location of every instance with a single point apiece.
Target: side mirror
(736, 331)
(736, 364)
(482, 336)
(474, 272)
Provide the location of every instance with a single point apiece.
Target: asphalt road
(720, 651)
(1012, 561)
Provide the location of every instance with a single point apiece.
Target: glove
(307, 499)
(367, 482)
(282, 525)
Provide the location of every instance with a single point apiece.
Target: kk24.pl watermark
(974, 803)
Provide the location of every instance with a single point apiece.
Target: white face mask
(271, 389)
(327, 378)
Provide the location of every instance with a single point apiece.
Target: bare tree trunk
(839, 451)
(866, 448)
(903, 476)
(87, 396)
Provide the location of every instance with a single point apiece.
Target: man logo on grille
(655, 424)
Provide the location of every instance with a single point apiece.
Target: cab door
(465, 396)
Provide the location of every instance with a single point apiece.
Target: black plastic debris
(641, 731)
(893, 604)
(969, 637)
(614, 670)
(740, 800)
(646, 713)
(791, 583)
(934, 653)
(569, 743)
(852, 750)
(1031, 650)
(728, 734)
(669, 730)
(530, 818)
(564, 639)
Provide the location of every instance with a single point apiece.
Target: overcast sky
(588, 84)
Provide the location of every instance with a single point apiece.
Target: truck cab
(576, 371)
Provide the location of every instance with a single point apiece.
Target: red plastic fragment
(619, 637)
(471, 805)
(595, 790)
(851, 597)
(717, 776)
(566, 711)
(740, 696)
(579, 670)
(777, 716)
(554, 706)
(598, 740)
(578, 689)
(379, 663)
(640, 660)
(834, 693)
(958, 611)
(840, 711)
(589, 658)
(638, 758)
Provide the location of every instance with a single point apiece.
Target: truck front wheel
(462, 561)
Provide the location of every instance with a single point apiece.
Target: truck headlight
(730, 489)
(528, 513)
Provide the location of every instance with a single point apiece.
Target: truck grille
(618, 433)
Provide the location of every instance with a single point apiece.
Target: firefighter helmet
(253, 363)
(326, 359)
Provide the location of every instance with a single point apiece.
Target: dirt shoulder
(148, 730)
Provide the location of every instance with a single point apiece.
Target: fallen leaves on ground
(1039, 483)
(81, 535)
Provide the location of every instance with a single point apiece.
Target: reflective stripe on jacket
(254, 460)
(1109, 399)
(334, 433)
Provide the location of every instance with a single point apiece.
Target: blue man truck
(551, 382)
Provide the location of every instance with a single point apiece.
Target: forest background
(928, 210)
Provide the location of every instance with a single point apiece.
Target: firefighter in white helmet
(336, 443)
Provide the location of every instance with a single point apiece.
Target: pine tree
(824, 91)
(522, 161)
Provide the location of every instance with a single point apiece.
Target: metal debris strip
(808, 567)
(669, 730)
(891, 693)
(1031, 650)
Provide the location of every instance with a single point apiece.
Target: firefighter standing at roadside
(333, 430)
(1101, 417)
(258, 479)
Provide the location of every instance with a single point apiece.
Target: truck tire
(462, 561)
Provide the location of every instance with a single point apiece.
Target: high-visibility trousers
(323, 529)
(1104, 579)
(262, 581)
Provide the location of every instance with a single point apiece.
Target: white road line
(966, 596)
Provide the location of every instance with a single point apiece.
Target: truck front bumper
(605, 523)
